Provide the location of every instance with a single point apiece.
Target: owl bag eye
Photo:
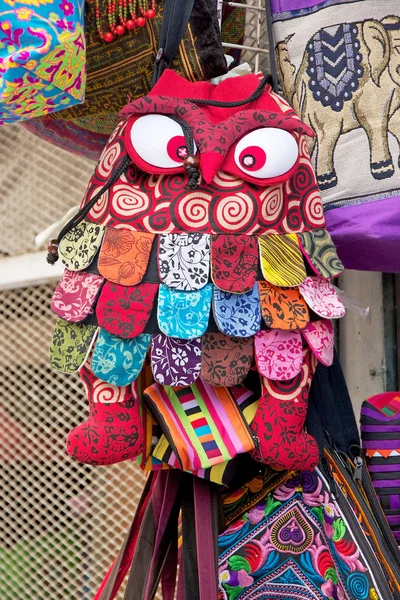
(266, 153)
(157, 143)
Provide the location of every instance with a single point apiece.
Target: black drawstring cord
(267, 79)
(52, 255)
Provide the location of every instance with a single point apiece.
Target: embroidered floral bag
(300, 540)
(42, 58)
(339, 65)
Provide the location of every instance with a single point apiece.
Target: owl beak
(210, 164)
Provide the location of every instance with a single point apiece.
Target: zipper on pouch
(381, 540)
(355, 528)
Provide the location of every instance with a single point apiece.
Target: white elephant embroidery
(349, 78)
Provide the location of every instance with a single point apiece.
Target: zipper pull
(357, 475)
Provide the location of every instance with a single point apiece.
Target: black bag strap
(175, 21)
(271, 45)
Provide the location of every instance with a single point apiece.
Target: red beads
(108, 36)
(123, 16)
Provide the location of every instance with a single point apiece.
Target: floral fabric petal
(175, 362)
(71, 345)
(282, 262)
(322, 298)
(124, 255)
(75, 295)
(225, 361)
(282, 308)
(117, 360)
(278, 354)
(184, 260)
(184, 315)
(319, 336)
(125, 310)
(79, 246)
(320, 251)
(237, 315)
(234, 262)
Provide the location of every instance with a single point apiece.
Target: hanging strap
(271, 45)
(156, 535)
(206, 538)
(175, 21)
(120, 567)
(199, 542)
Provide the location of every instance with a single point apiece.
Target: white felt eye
(159, 141)
(267, 152)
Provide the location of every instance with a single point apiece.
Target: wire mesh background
(61, 523)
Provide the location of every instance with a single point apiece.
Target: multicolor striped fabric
(203, 425)
(380, 432)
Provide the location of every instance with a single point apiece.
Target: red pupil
(176, 148)
(252, 158)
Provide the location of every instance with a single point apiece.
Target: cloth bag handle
(175, 21)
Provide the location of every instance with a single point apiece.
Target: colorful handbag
(124, 67)
(339, 67)
(42, 58)
(380, 433)
(201, 237)
(301, 540)
(281, 535)
(203, 425)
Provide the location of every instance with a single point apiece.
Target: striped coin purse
(380, 432)
(204, 425)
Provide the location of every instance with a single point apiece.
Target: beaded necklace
(138, 11)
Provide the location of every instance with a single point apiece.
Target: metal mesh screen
(61, 523)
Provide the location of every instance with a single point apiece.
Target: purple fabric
(373, 413)
(367, 236)
(393, 519)
(383, 468)
(395, 502)
(387, 484)
(381, 429)
(285, 5)
(382, 444)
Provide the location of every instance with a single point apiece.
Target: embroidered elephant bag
(200, 242)
(339, 65)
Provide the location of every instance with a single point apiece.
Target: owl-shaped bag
(201, 243)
